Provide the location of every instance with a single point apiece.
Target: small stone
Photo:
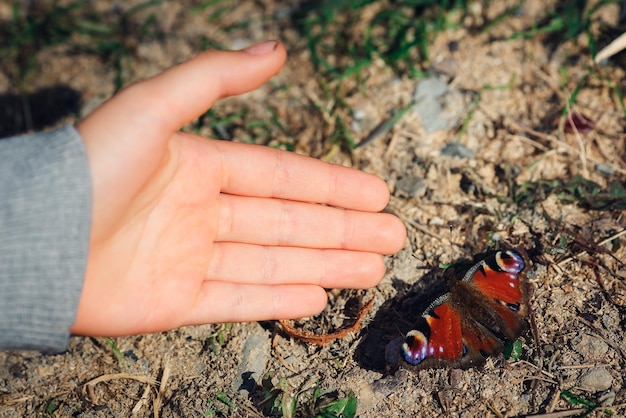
(437, 221)
(607, 398)
(256, 355)
(590, 347)
(456, 378)
(365, 395)
(458, 150)
(430, 112)
(392, 352)
(358, 114)
(427, 105)
(604, 169)
(430, 88)
(362, 121)
(596, 379)
(413, 187)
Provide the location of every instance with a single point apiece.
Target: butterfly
(477, 315)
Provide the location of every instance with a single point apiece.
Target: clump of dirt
(457, 186)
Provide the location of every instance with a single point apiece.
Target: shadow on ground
(397, 316)
(21, 113)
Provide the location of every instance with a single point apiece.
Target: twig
(142, 401)
(570, 258)
(386, 125)
(88, 387)
(560, 414)
(164, 379)
(286, 365)
(611, 49)
(581, 146)
(578, 366)
(311, 338)
(516, 127)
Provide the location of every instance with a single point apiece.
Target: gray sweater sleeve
(45, 219)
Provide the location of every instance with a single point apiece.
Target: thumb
(161, 104)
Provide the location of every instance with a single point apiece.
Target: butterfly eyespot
(510, 261)
(415, 347)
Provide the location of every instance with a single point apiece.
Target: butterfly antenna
(450, 226)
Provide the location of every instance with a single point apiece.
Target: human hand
(187, 230)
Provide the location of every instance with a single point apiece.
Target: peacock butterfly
(474, 318)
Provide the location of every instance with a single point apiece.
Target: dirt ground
(468, 182)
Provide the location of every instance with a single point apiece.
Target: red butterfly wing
(438, 336)
(464, 326)
(498, 276)
(446, 337)
(501, 288)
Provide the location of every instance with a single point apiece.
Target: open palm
(187, 230)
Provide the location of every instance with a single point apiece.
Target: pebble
(608, 398)
(365, 395)
(255, 356)
(595, 380)
(430, 88)
(605, 169)
(458, 150)
(427, 104)
(412, 187)
(392, 352)
(590, 347)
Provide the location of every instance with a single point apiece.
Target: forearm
(45, 217)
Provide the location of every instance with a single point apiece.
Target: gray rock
(608, 398)
(413, 187)
(428, 106)
(392, 352)
(430, 88)
(590, 347)
(438, 106)
(458, 150)
(605, 169)
(255, 356)
(596, 379)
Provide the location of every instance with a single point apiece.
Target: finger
(161, 104)
(294, 224)
(212, 75)
(254, 264)
(295, 177)
(243, 302)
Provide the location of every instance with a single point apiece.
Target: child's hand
(187, 230)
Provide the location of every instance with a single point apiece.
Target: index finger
(253, 170)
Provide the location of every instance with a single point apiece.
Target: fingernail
(262, 48)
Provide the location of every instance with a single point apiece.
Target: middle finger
(276, 222)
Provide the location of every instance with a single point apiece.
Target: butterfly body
(474, 319)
